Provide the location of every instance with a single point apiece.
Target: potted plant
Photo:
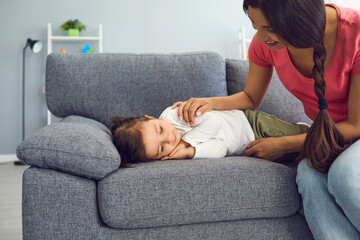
(73, 27)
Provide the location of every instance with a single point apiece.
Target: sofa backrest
(100, 86)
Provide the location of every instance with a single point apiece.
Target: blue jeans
(332, 201)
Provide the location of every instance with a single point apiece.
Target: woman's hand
(267, 148)
(194, 106)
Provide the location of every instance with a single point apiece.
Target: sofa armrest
(57, 205)
(76, 145)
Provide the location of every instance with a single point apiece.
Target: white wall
(347, 3)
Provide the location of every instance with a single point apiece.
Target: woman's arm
(250, 98)
(350, 128)
(273, 148)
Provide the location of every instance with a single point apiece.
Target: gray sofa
(75, 189)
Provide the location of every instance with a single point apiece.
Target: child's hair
(301, 23)
(127, 139)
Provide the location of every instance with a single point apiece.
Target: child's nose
(168, 138)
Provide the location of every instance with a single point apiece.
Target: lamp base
(18, 163)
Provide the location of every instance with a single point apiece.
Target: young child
(215, 134)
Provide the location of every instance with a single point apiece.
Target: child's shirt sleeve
(212, 148)
(202, 136)
(206, 127)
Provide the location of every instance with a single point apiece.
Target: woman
(316, 52)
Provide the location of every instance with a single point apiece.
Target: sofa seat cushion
(165, 193)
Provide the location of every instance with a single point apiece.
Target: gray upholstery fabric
(100, 86)
(228, 198)
(288, 228)
(291, 109)
(194, 191)
(75, 145)
(58, 206)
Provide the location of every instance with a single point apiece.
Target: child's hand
(181, 151)
(187, 152)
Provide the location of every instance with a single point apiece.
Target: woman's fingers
(175, 105)
(265, 148)
(191, 108)
(185, 110)
(180, 106)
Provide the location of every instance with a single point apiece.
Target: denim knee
(307, 178)
(344, 178)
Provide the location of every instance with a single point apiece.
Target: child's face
(159, 137)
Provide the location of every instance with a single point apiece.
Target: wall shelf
(51, 38)
(74, 39)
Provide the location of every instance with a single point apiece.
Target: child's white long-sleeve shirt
(215, 134)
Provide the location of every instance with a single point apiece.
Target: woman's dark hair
(127, 139)
(301, 23)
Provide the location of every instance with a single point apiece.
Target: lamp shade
(35, 45)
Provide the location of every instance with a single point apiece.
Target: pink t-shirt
(344, 63)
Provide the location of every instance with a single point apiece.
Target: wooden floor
(10, 201)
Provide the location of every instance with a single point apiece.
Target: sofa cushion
(75, 145)
(291, 109)
(165, 193)
(100, 86)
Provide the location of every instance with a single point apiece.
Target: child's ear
(146, 116)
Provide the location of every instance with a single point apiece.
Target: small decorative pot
(73, 32)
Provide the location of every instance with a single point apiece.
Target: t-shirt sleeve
(212, 148)
(259, 53)
(170, 115)
(206, 127)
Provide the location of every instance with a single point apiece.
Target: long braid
(318, 71)
(323, 142)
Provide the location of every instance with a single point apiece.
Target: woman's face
(264, 31)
